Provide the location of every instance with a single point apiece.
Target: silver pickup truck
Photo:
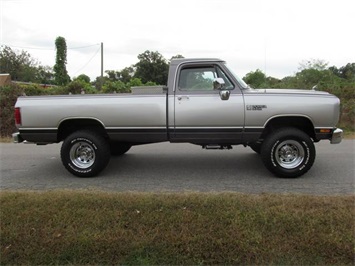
(204, 103)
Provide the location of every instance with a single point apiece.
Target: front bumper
(337, 136)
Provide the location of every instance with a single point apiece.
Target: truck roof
(178, 61)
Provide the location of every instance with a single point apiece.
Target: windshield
(240, 81)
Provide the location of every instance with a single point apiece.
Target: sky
(274, 36)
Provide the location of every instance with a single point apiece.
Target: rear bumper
(337, 136)
(16, 137)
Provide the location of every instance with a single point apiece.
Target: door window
(201, 78)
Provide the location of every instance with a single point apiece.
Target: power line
(88, 61)
(30, 48)
(81, 47)
(49, 49)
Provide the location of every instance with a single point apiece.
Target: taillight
(18, 121)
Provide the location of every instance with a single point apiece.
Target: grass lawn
(71, 227)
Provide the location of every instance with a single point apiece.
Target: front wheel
(85, 153)
(288, 152)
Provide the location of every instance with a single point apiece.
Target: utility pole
(102, 67)
(102, 60)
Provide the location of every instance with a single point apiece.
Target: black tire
(288, 152)
(255, 146)
(85, 153)
(119, 148)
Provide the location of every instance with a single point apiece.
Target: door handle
(185, 97)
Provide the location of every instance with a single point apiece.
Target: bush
(90, 89)
(76, 87)
(115, 87)
(8, 97)
(33, 90)
(57, 91)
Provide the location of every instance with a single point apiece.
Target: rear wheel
(85, 153)
(288, 152)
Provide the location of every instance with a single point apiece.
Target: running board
(217, 147)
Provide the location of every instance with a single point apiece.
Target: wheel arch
(70, 125)
(303, 123)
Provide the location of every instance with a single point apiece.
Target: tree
(178, 56)
(345, 72)
(316, 72)
(256, 79)
(15, 64)
(22, 67)
(316, 64)
(152, 66)
(124, 75)
(84, 78)
(60, 71)
(45, 75)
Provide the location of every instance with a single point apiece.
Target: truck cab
(205, 102)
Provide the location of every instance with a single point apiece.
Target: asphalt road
(178, 168)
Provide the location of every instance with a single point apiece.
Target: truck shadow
(205, 165)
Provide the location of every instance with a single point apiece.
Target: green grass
(66, 227)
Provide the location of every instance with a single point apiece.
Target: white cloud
(273, 36)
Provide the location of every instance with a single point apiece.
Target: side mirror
(224, 94)
(218, 83)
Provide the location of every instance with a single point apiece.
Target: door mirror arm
(218, 83)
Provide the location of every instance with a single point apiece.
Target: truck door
(202, 115)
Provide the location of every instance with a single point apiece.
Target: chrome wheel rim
(289, 154)
(82, 155)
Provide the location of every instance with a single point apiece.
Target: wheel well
(69, 126)
(301, 123)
